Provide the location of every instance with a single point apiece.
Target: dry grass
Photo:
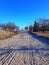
(45, 34)
(6, 34)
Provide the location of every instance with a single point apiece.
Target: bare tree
(36, 27)
(44, 24)
(3, 26)
(31, 28)
(16, 28)
(11, 26)
(26, 28)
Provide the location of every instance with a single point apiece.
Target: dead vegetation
(45, 34)
(4, 34)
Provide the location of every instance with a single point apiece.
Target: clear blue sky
(23, 12)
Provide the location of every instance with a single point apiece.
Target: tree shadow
(5, 51)
(42, 39)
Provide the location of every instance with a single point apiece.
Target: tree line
(39, 25)
(9, 26)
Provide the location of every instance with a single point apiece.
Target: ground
(42, 34)
(4, 34)
(24, 49)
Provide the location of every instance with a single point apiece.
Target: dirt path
(25, 42)
(22, 39)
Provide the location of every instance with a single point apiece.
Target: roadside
(41, 34)
(4, 34)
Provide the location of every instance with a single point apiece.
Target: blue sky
(23, 12)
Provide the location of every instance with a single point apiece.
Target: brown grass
(4, 34)
(45, 34)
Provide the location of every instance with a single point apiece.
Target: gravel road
(22, 39)
(31, 51)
